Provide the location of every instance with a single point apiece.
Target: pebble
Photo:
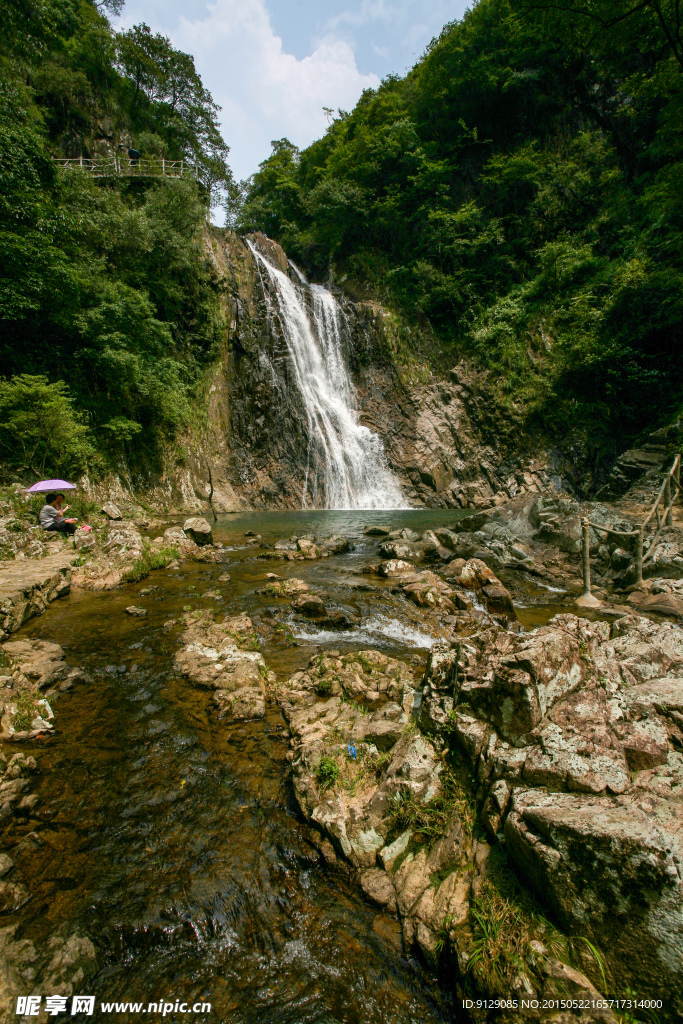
(6, 864)
(134, 610)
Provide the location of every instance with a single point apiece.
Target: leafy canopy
(105, 289)
(39, 427)
(521, 190)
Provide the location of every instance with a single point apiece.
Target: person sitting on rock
(52, 516)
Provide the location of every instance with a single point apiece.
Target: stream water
(347, 466)
(173, 841)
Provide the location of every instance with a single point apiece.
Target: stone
(13, 895)
(390, 854)
(6, 864)
(111, 511)
(395, 567)
(377, 886)
(174, 535)
(199, 530)
(309, 604)
(135, 610)
(377, 531)
(663, 604)
(287, 588)
(610, 869)
(242, 705)
(85, 540)
(400, 550)
(564, 982)
(620, 559)
(124, 537)
(26, 588)
(40, 662)
(476, 575)
(34, 549)
(498, 600)
(337, 618)
(328, 853)
(337, 545)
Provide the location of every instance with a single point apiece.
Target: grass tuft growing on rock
(506, 920)
(327, 772)
(429, 821)
(26, 705)
(150, 559)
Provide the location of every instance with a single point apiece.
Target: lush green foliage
(104, 284)
(327, 771)
(39, 428)
(522, 188)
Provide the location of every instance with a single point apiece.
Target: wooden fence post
(639, 555)
(587, 600)
(668, 518)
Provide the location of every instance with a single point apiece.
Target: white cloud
(266, 93)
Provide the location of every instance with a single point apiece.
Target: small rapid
(347, 464)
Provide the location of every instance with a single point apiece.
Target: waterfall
(347, 465)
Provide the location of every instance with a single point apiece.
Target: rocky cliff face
(250, 439)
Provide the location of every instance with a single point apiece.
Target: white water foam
(347, 464)
(373, 631)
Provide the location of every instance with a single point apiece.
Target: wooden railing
(116, 166)
(661, 509)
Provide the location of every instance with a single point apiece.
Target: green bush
(327, 772)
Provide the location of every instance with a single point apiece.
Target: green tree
(40, 431)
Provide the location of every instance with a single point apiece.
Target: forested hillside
(108, 307)
(522, 188)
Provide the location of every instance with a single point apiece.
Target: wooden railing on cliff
(661, 509)
(116, 166)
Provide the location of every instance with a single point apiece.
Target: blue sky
(273, 65)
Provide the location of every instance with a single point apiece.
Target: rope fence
(661, 509)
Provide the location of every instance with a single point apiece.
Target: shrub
(327, 772)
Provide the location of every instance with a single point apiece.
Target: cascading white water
(349, 468)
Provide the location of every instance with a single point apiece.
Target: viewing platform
(123, 167)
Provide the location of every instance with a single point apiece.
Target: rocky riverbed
(499, 778)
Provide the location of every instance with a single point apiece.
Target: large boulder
(574, 734)
(614, 870)
(199, 530)
(111, 511)
(38, 663)
(121, 537)
(475, 575)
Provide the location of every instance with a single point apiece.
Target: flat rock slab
(27, 586)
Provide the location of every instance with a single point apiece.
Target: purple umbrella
(51, 485)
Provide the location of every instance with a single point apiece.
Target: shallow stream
(174, 843)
